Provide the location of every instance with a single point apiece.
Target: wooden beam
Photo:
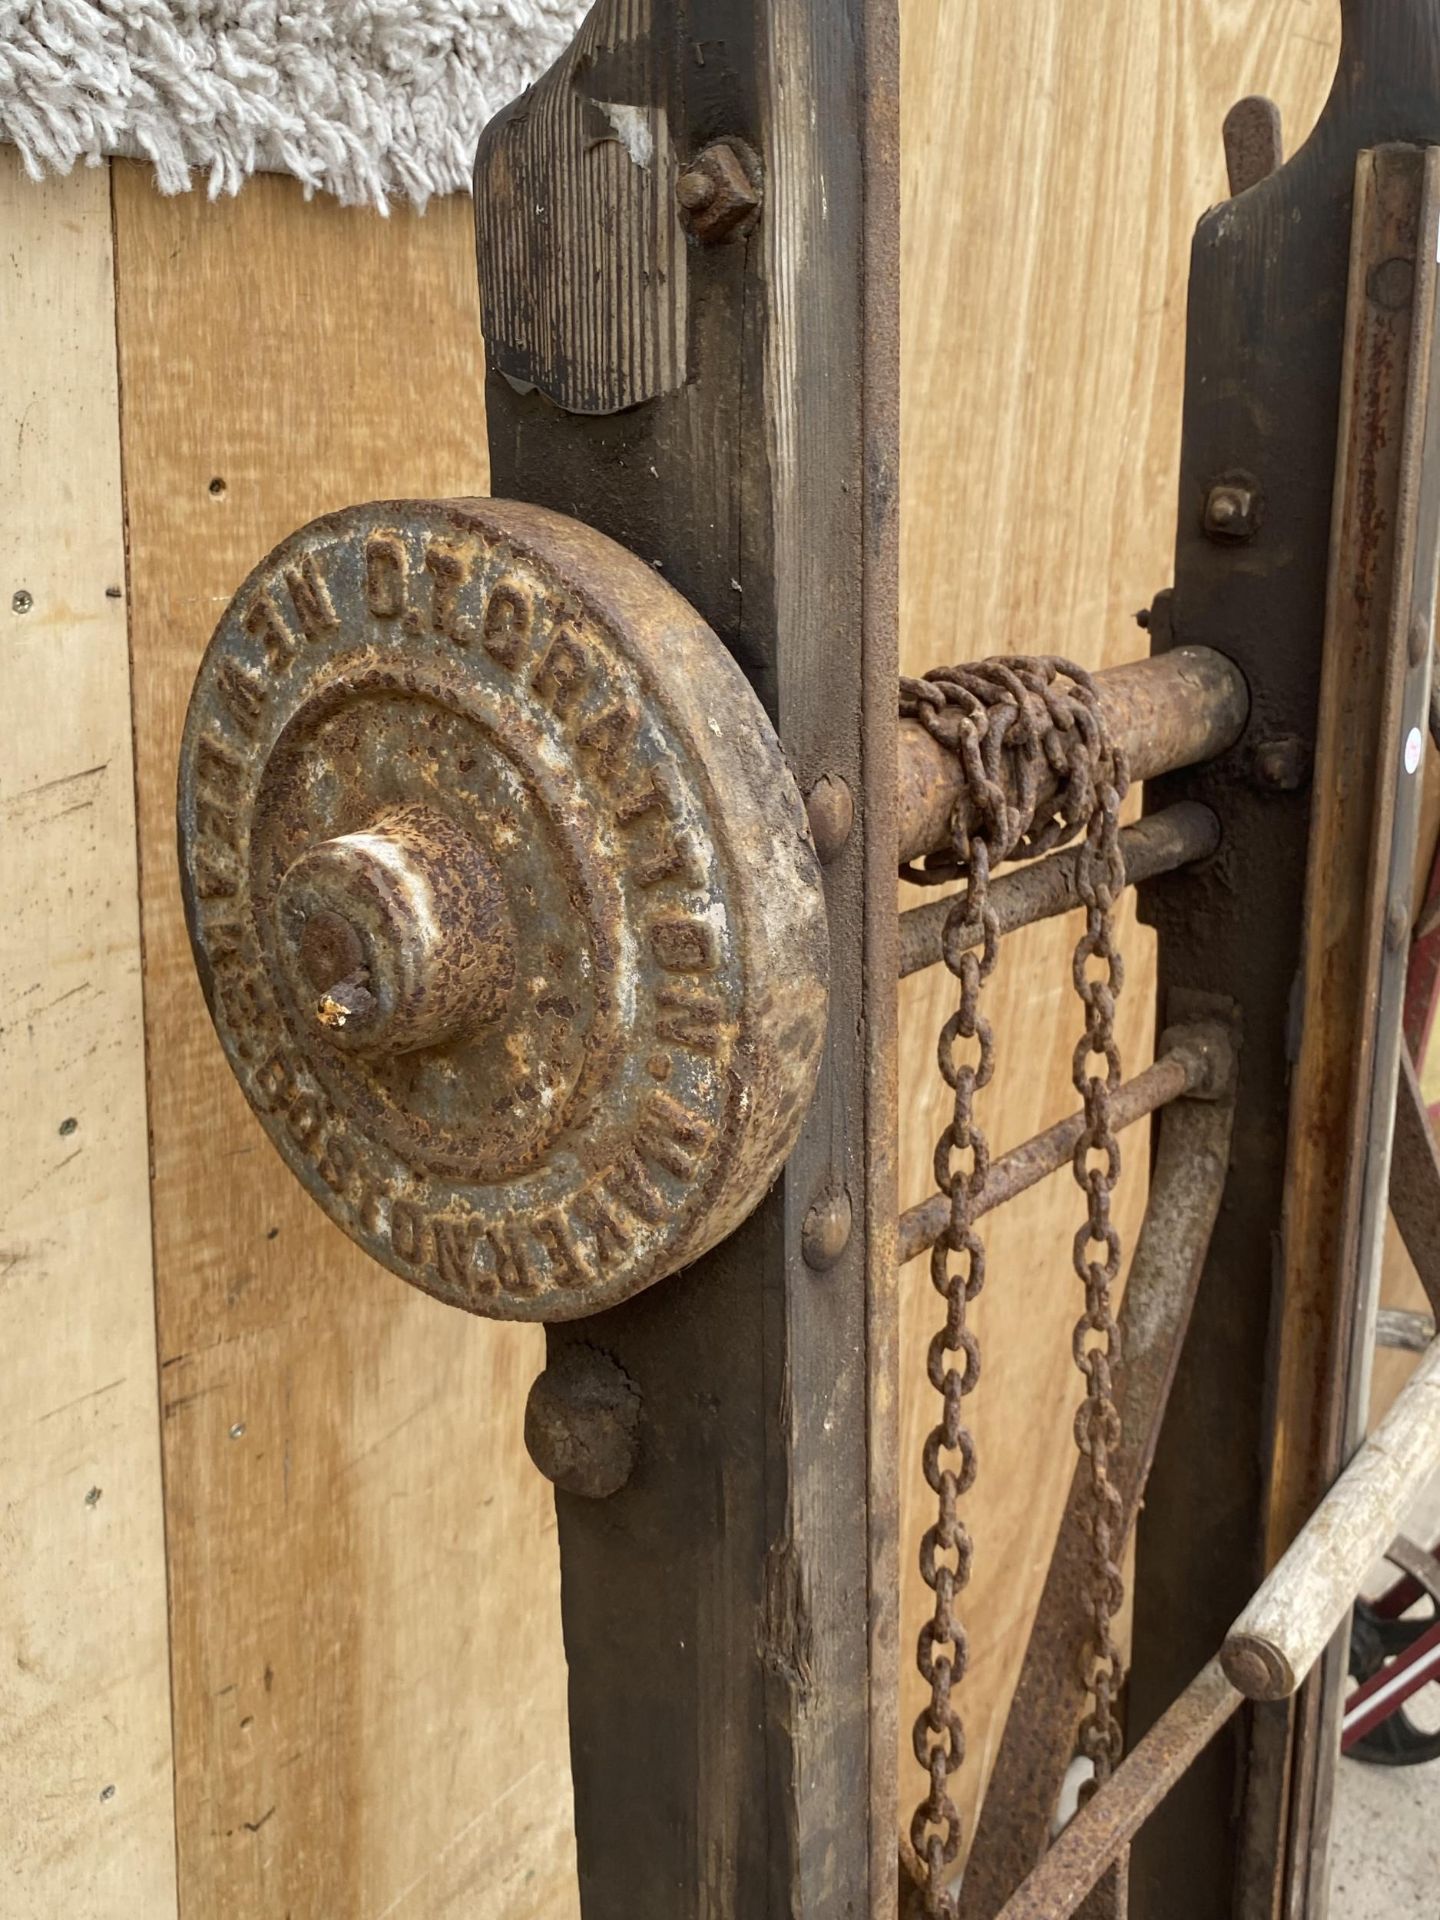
(370, 1708)
(729, 1615)
(86, 1803)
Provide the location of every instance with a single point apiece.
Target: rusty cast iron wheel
(503, 901)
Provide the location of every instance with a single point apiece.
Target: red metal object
(1387, 1691)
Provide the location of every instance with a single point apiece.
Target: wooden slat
(86, 1810)
(369, 1691)
(1055, 160)
(729, 1614)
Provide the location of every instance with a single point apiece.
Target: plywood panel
(85, 1789)
(369, 1688)
(1055, 161)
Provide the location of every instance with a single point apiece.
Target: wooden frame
(729, 1615)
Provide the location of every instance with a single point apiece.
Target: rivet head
(826, 1231)
(830, 810)
(582, 1423)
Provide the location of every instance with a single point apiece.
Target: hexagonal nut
(720, 192)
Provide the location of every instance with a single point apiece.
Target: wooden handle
(1294, 1614)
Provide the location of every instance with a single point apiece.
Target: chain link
(1037, 770)
(1096, 1340)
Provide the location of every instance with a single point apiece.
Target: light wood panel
(369, 1687)
(85, 1795)
(1056, 159)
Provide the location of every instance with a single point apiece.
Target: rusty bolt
(1281, 763)
(719, 192)
(826, 1232)
(830, 809)
(1232, 510)
(582, 1423)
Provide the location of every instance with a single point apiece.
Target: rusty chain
(1009, 721)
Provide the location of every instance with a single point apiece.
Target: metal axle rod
(1173, 837)
(1106, 1825)
(1172, 710)
(1190, 1064)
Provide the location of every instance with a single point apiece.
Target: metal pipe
(1171, 838)
(1106, 1824)
(1168, 711)
(1181, 1069)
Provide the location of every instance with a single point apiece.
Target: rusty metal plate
(503, 901)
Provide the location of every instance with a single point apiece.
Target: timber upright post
(1279, 375)
(688, 263)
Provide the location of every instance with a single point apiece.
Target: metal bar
(729, 1613)
(1264, 355)
(1305, 1597)
(1158, 844)
(1181, 1069)
(1415, 1181)
(1169, 711)
(1374, 690)
(1391, 1687)
(1106, 1825)
(1191, 1161)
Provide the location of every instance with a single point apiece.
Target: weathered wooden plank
(86, 1807)
(727, 1621)
(369, 1691)
(1055, 158)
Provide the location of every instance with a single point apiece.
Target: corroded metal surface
(1187, 1182)
(1172, 710)
(503, 901)
(1157, 844)
(1183, 1068)
(1104, 1827)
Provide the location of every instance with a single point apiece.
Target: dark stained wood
(1263, 385)
(729, 1615)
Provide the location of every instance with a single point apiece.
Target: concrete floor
(1385, 1845)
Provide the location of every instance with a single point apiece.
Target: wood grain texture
(722, 1714)
(369, 1696)
(584, 267)
(86, 1816)
(1055, 160)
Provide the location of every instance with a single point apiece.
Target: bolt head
(830, 810)
(582, 1423)
(826, 1232)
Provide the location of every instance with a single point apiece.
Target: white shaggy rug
(369, 100)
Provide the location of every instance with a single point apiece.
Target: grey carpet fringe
(369, 100)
